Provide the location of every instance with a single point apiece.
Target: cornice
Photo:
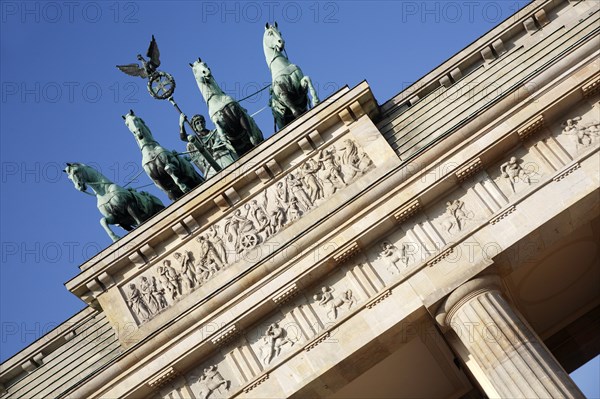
(451, 69)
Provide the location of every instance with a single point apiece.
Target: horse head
(201, 71)
(136, 125)
(77, 173)
(272, 38)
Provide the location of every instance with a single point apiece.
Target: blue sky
(62, 101)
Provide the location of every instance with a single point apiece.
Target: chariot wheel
(249, 240)
(161, 86)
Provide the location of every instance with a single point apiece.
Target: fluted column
(513, 358)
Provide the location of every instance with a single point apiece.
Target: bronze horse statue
(127, 208)
(231, 120)
(289, 87)
(172, 173)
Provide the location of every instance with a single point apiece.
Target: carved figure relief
(512, 171)
(326, 299)
(272, 341)
(251, 224)
(208, 382)
(354, 161)
(151, 295)
(392, 255)
(329, 163)
(296, 188)
(217, 242)
(241, 231)
(209, 262)
(136, 302)
(312, 182)
(186, 269)
(456, 216)
(158, 292)
(170, 278)
(584, 135)
(257, 214)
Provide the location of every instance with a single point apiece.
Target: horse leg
(104, 222)
(172, 167)
(246, 125)
(256, 136)
(132, 211)
(171, 193)
(287, 102)
(174, 171)
(278, 111)
(153, 174)
(307, 83)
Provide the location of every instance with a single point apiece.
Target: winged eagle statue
(161, 85)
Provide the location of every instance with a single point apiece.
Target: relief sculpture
(512, 171)
(272, 341)
(326, 299)
(186, 269)
(392, 255)
(208, 382)
(252, 223)
(456, 216)
(170, 278)
(583, 134)
(136, 302)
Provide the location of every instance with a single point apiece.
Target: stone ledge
(371, 304)
(407, 211)
(286, 294)
(442, 255)
(566, 172)
(469, 170)
(312, 344)
(162, 378)
(502, 214)
(256, 383)
(225, 336)
(531, 127)
(346, 253)
(591, 87)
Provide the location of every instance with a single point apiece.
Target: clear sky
(62, 101)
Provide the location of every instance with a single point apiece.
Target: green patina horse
(127, 208)
(231, 120)
(172, 173)
(289, 87)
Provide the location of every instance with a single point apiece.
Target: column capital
(463, 294)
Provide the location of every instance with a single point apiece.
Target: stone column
(513, 358)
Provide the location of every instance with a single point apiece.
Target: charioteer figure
(218, 146)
